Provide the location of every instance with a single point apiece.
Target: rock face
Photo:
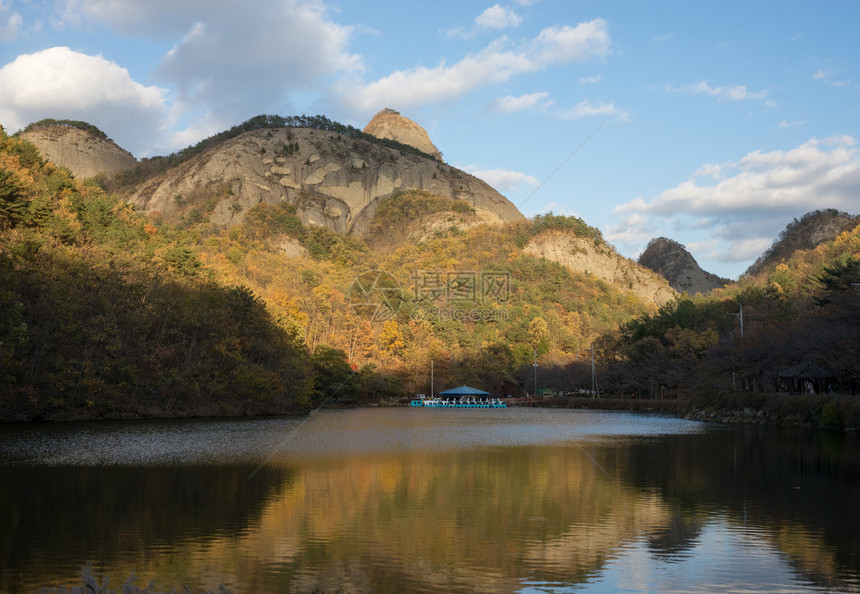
(807, 233)
(84, 153)
(393, 126)
(585, 256)
(671, 260)
(332, 180)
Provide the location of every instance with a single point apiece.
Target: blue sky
(712, 123)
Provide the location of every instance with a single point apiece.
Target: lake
(431, 500)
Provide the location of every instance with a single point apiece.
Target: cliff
(333, 180)
(673, 262)
(589, 256)
(83, 152)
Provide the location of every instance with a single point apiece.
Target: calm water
(401, 500)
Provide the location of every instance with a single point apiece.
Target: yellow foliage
(391, 341)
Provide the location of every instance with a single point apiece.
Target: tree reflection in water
(560, 513)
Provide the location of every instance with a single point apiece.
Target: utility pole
(535, 366)
(739, 315)
(432, 395)
(595, 390)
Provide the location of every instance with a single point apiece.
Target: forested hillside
(108, 314)
(794, 327)
(105, 315)
(469, 299)
(806, 233)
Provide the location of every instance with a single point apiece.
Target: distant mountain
(673, 262)
(334, 178)
(807, 233)
(83, 149)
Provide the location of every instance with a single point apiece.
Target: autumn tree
(391, 342)
(539, 335)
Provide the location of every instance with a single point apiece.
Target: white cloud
(496, 63)
(509, 104)
(164, 18)
(709, 170)
(10, 22)
(501, 179)
(709, 247)
(817, 173)
(498, 17)
(751, 200)
(258, 58)
(730, 92)
(64, 84)
(787, 124)
(590, 80)
(563, 43)
(633, 229)
(745, 250)
(558, 209)
(231, 60)
(827, 76)
(586, 108)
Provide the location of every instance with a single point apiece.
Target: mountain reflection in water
(447, 500)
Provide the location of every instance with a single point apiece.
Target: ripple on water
(142, 443)
(328, 433)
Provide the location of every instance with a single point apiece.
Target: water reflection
(122, 519)
(399, 500)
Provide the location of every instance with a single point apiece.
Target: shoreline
(832, 412)
(818, 411)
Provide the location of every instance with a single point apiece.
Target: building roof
(806, 370)
(463, 391)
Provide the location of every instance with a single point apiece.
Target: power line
(569, 157)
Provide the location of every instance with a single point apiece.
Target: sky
(712, 123)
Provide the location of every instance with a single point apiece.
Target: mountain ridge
(811, 230)
(333, 180)
(337, 176)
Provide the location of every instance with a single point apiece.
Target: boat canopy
(464, 391)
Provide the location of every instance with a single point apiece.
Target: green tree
(183, 260)
(13, 333)
(838, 277)
(13, 203)
(333, 376)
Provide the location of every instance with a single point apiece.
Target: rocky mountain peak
(389, 124)
(671, 260)
(333, 180)
(806, 233)
(85, 152)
